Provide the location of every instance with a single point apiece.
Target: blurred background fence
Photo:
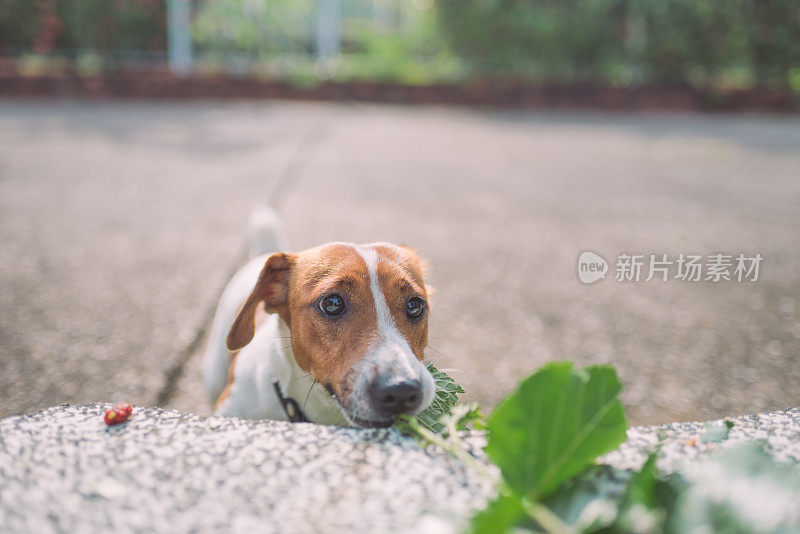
(720, 43)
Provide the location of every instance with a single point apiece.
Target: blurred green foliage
(703, 43)
(402, 44)
(738, 42)
(261, 28)
(67, 26)
(415, 54)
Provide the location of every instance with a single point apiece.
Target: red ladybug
(118, 414)
(124, 408)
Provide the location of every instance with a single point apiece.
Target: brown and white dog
(339, 330)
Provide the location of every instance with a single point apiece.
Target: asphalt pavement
(122, 220)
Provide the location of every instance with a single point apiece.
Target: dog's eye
(415, 307)
(332, 304)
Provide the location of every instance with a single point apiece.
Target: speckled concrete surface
(682, 442)
(121, 220)
(63, 470)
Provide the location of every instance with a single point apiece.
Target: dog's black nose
(394, 398)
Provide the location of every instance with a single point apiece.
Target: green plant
(76, 25)
(444, 400)
(545, 437)
(698, 42)
(261, 28)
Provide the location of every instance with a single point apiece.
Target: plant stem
(455, 450)
(549, 521)
(540, 513)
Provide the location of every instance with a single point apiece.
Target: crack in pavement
(295, 168)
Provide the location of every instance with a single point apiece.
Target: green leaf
(641, 488)
(462, 417)
(444, 399)
(612, 501)
(716, 431)
(742, 489)
(649, 500)
(554, 425)
(499, 516)
(589, 501)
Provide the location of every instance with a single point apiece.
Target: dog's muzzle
(389, 381)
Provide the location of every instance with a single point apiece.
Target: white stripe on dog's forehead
(386, 327)
(367, 246)
(387, 330)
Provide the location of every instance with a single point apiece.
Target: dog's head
(359, 321)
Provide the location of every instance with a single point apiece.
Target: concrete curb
(63, 470)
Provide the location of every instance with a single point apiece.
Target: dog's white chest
(268, 358)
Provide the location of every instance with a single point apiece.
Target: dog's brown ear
(272, 288)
